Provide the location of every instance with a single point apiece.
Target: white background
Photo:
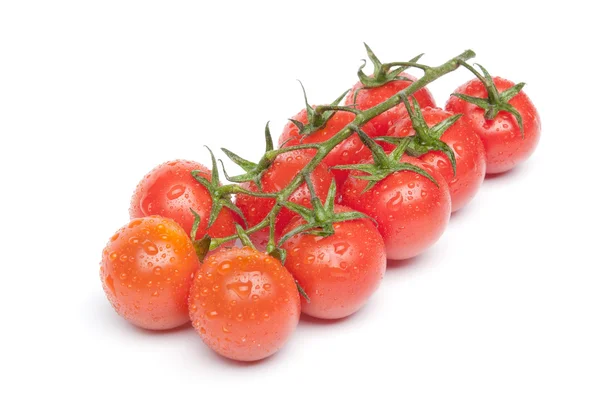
(95, 94)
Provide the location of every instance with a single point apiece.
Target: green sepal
(219, 198)
(384, 73)
(268, 139)
(319, 219)
(496, 101)
(302, 291)
(318, 116)
(201, 246)
(427, 138)
(383, 164)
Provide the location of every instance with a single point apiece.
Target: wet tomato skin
(169, 190)
(504, 146)
(146, 272)
(349, 151)
(468, 150)
(279, 174)
(369, 97)
(243, 303)
(339, 272)
(410, 210)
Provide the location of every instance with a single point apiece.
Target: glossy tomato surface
(279, 174)
(410, 210)
(339, 272)
(146, 272)
(349, 151)
(504, 145)
(244, 304)
(369, 97)
(467, 148)
(170, 191)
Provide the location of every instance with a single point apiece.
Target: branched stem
(323, 148)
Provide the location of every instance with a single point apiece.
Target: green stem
(431, 74)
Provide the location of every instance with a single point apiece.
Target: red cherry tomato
(350, 151)
(410, 210)
(504, 146)
(170, 191)
(369, 97)
(146, 272)
(278, 176)
(244, 304)
(468, 151)
(339, 272)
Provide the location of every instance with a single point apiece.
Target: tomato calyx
(496, 101)
(383, 164)
(254, 171)
(385, 73)
(426, 139)
(319, 116)
(220, 195)
(320, 219)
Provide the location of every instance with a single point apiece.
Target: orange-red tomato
(339, 272)
(244, 303)
(279, 174)
(505, 147)
(369, 97)
(170, 191)
(146, 272)
(410, 210)
(349, 151)
(468, 151)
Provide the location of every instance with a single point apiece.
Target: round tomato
(339, 272)
(410, 210)
(244, 304)
(468, 151)
(369, 97)
(146, 272)
(279, 174)
(505, 147)
(350, 151)
(170, 191)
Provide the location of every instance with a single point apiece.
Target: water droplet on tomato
(341, 248)
(224, 268)
(134, 223)
(114, 237)
(157, 270)
(175, 191)
(242, 289)
(149, 247)
(212, 314)
(395, 203)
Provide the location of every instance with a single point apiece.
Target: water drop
(175, 191)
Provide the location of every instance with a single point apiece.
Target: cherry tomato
(369, 97)
(278, 176)
(146, 272)
(170, 191)
(350, 151)
(468, 151)
(244, 304)
(410, 210)
(504, 146)
(339, 272)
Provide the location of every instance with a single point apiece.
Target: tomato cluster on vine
(309, 227)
